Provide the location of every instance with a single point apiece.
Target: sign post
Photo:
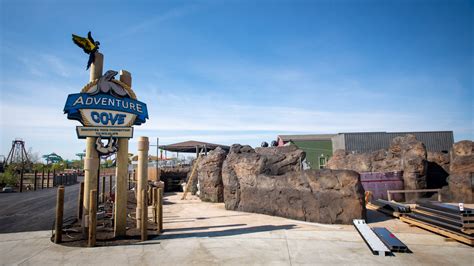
(91, 161)
(107, 109)
(121, 173)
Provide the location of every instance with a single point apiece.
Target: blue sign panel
(76, 102)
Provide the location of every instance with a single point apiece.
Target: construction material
(375, 244)
(446, 207)
(405, 191)
(396, 206)
(440, 230)
(58, 225)
(191, 178)
(92, 218)
(452, 217)
(389, 212)
(390, 240)
(388, 207)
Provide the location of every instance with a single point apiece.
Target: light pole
(157, 151)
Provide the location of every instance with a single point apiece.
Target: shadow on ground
(227, 232)
(375, 216)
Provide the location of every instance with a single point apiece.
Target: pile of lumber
(391, 208)
(444, 219)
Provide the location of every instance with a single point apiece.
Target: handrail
(390, 192)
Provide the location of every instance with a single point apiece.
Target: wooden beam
(444, 232)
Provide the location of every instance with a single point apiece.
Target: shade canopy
(191, 146)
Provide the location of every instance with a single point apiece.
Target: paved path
(198, 233)
(35, 210)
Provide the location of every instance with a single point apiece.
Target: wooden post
(42, 178)
(144, 216)
(154, 196)
(160, 210)
(58, 225)
(110, 186)
(92, 217)
(54, 177)
(80, 201)
(47, 183)
(98, 183)
(36, 179)
(91, 159)
(21, 180)
(149, 198)
(142, 172)
(121, 175)
(103, 189)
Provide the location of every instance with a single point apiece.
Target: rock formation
(461, 172)
(210, 176)
(268, 180)
(405, 154)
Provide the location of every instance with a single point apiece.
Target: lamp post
(157, 153)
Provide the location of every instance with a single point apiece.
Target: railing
(390, 192)
(46, 179)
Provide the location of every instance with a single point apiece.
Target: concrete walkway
(206, 234)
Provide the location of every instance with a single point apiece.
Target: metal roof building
(318, 147)
(360, 142)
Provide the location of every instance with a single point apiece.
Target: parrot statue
(88, 45)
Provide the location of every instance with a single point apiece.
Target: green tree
(9, 177)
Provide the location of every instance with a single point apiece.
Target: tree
(33, 156)
(9, 177)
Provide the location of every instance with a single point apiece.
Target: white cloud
(44, 65)
(153, 21)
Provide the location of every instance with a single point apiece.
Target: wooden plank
(468, 231)
(444, 232)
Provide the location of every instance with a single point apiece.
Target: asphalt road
(34, 210)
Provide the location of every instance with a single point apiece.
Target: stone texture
(440, 158)
(280, 160)
(405, 154)
(268, 180)
(210, 176)
(461, 171)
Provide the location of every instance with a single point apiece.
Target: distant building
(318, 147)
(360, 142)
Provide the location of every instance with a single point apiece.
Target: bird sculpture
(106, 85)
(88, 45)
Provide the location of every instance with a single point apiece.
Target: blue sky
(242, 71)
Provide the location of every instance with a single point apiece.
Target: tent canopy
(191, 146)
